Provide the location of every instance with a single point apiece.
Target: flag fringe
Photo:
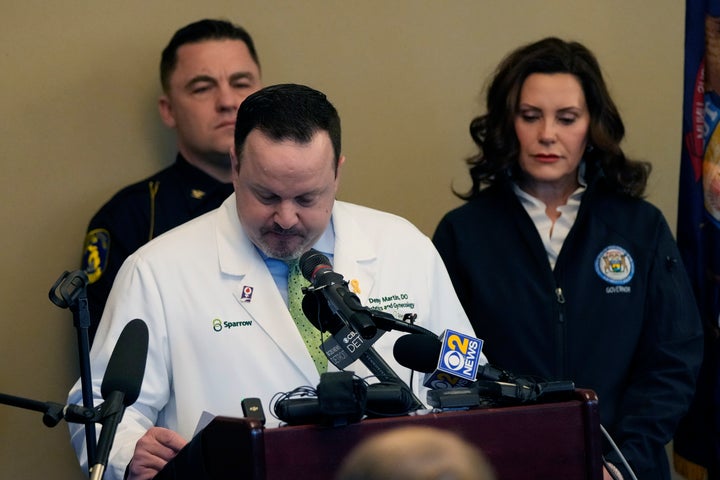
(688, 469)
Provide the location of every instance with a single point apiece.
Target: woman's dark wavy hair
(494, 132)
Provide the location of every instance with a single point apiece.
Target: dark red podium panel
(559, 440)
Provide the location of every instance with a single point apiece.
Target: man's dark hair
(207, 29)
(287, 112)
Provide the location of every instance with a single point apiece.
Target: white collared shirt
(553, 236)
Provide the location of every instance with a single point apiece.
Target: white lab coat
(211, 346)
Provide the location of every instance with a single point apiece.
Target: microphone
(120, 386)
(331, 307)
(345, 345)
(451, 388)
(317, 269)
(450, 361)
(422, 352)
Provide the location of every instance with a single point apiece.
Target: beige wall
(78, 84)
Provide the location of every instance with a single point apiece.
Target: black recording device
(252, 408)
(340, 399)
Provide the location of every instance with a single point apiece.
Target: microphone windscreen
(126, 367)
(311, 309)
(318, 313)
(310, 260)
(418, 352)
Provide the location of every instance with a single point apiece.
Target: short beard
(282, 251)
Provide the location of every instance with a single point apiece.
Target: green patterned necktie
(310, 335)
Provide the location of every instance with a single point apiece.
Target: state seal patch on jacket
(615, 265)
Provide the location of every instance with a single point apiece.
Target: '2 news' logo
(458, 363)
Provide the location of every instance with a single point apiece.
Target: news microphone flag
(346, 346)
(458, 362)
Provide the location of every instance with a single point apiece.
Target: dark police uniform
(139, 213)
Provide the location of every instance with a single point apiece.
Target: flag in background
(697, 441)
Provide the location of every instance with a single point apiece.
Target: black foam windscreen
(126, 367)
(418, 352)
(310, 260)
(318, 313)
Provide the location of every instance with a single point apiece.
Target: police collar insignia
(197, 194)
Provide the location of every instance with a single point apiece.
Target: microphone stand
(316, 305)
(387, 322)
(108, 414)
(70, 291)
(382, 371)
(375, 363)
(53, 412)
(111, 412)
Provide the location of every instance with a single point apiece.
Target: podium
(539, 441)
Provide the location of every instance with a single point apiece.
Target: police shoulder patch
(615, 265)
(95, 253)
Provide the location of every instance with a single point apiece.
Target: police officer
(206, 71)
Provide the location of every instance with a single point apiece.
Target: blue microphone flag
(458, 362)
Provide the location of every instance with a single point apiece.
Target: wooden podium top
(538, 441)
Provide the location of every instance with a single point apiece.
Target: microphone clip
(112, 405)
(68, 288)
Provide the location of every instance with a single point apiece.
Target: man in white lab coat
(213, 291)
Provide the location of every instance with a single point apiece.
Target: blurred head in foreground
(415, 453)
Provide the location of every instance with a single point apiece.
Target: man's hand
(616, 475)
(154, 449)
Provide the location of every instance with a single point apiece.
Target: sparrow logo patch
(615, 265)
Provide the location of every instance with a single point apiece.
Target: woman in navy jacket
(563, 269)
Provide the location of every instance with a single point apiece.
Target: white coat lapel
(355, 256)
(238, 258)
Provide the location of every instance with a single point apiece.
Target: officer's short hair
(207, 29)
